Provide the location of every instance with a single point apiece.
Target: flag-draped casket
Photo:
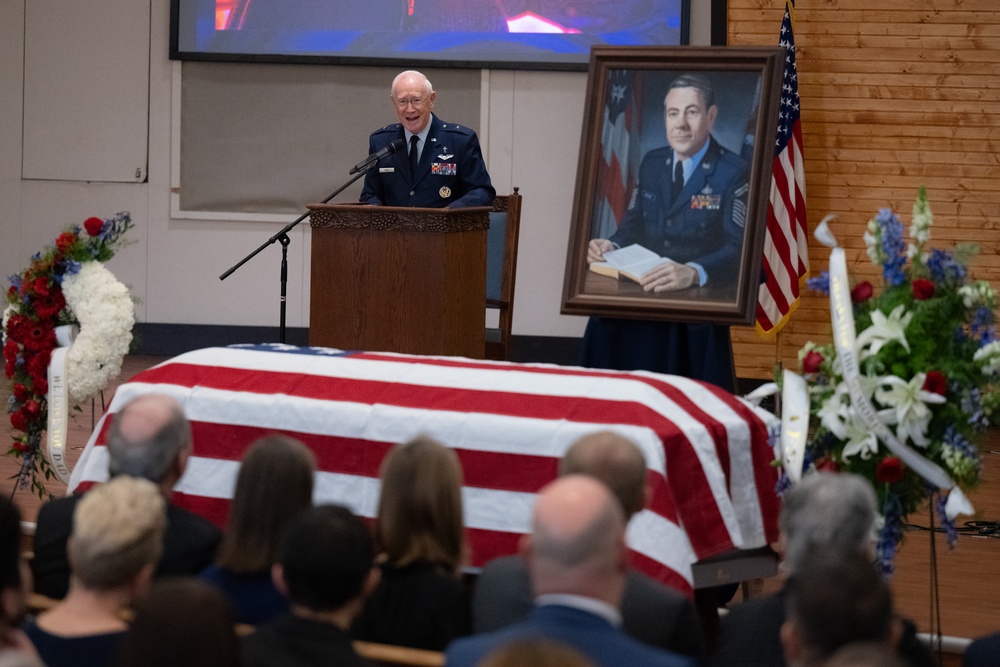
(708, 453)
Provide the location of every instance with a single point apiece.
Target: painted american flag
(619, 150)
(786, 252)
(708, 452)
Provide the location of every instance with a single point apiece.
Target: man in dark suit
(983, 652)
(149, 438)
(576, 556)
(837, 601)
(825, 512)
(326, 569)
(651, 612)
(442, 165)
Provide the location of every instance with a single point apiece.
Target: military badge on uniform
(445, 156)
(706, 202)
(445, 192)
(444, 168)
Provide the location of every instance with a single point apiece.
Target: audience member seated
(148, 438)
(536, 652)
(274, 485)
(182, 621)
(651, 611)
(16, 650)
(577, 559)
(326, 567)
(421, 601)
(983, 652)
(865, 654)
(116, 541)
(832, 512)
(837, 600)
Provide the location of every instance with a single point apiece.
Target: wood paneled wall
(895, 95)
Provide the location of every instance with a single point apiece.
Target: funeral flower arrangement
(925, 364)
(65, 284)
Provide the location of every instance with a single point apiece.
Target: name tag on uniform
(444, 168)
(710, 202)
(386, 170)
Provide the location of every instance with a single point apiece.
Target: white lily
(860, 439)
(909, 402)
(833, 413)
(885, 329)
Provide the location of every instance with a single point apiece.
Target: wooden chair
(501, 267)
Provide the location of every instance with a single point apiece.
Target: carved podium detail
(391, 279)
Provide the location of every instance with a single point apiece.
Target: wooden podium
(392, 279)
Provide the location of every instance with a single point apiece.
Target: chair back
(501, 268)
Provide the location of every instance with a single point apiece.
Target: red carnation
(889, 470)
(923, 289)
(21, 393)
(49, 306)
(38, 367)
(18, 421)
(22, 447)
(40, 336)
(65, 241)
(32, 409)
(40, 385)
(93, 226)
(811, 362)
(936, 383)
(826, 464)
(42, 286)
(862, 292)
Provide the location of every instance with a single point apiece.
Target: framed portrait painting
(673, 183)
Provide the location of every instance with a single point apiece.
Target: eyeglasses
(415, 102)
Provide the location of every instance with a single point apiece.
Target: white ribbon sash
(58, 401)
(842, 318)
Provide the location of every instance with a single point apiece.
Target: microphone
(369, 162)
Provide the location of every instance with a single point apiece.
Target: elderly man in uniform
(442, 165)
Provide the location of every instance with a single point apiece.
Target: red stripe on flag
(696, 505)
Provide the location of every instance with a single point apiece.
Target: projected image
(474, 33)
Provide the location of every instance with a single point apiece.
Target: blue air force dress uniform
(451, 171)
(704, 226)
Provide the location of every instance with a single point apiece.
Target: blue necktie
(678, 184)
(413, 154)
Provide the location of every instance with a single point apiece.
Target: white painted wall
(531, 129)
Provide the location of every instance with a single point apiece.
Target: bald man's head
(578, 537)
(614, 460)
(150, 438)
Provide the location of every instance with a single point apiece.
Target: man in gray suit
(651, 612)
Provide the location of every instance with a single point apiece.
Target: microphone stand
(282, 238)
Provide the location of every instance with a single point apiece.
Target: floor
(969, 575)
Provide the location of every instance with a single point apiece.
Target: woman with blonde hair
(274, 485)
(116, 542)
(421, 601)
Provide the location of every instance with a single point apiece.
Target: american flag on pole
(708, 452)
(786, 252)
(619, 150)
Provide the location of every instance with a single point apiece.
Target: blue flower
(820, 283)
(16, 281)
(944, 269)
(891, 534)
(972, 407)
(893, 248)
(981, 326)
(947, 524)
